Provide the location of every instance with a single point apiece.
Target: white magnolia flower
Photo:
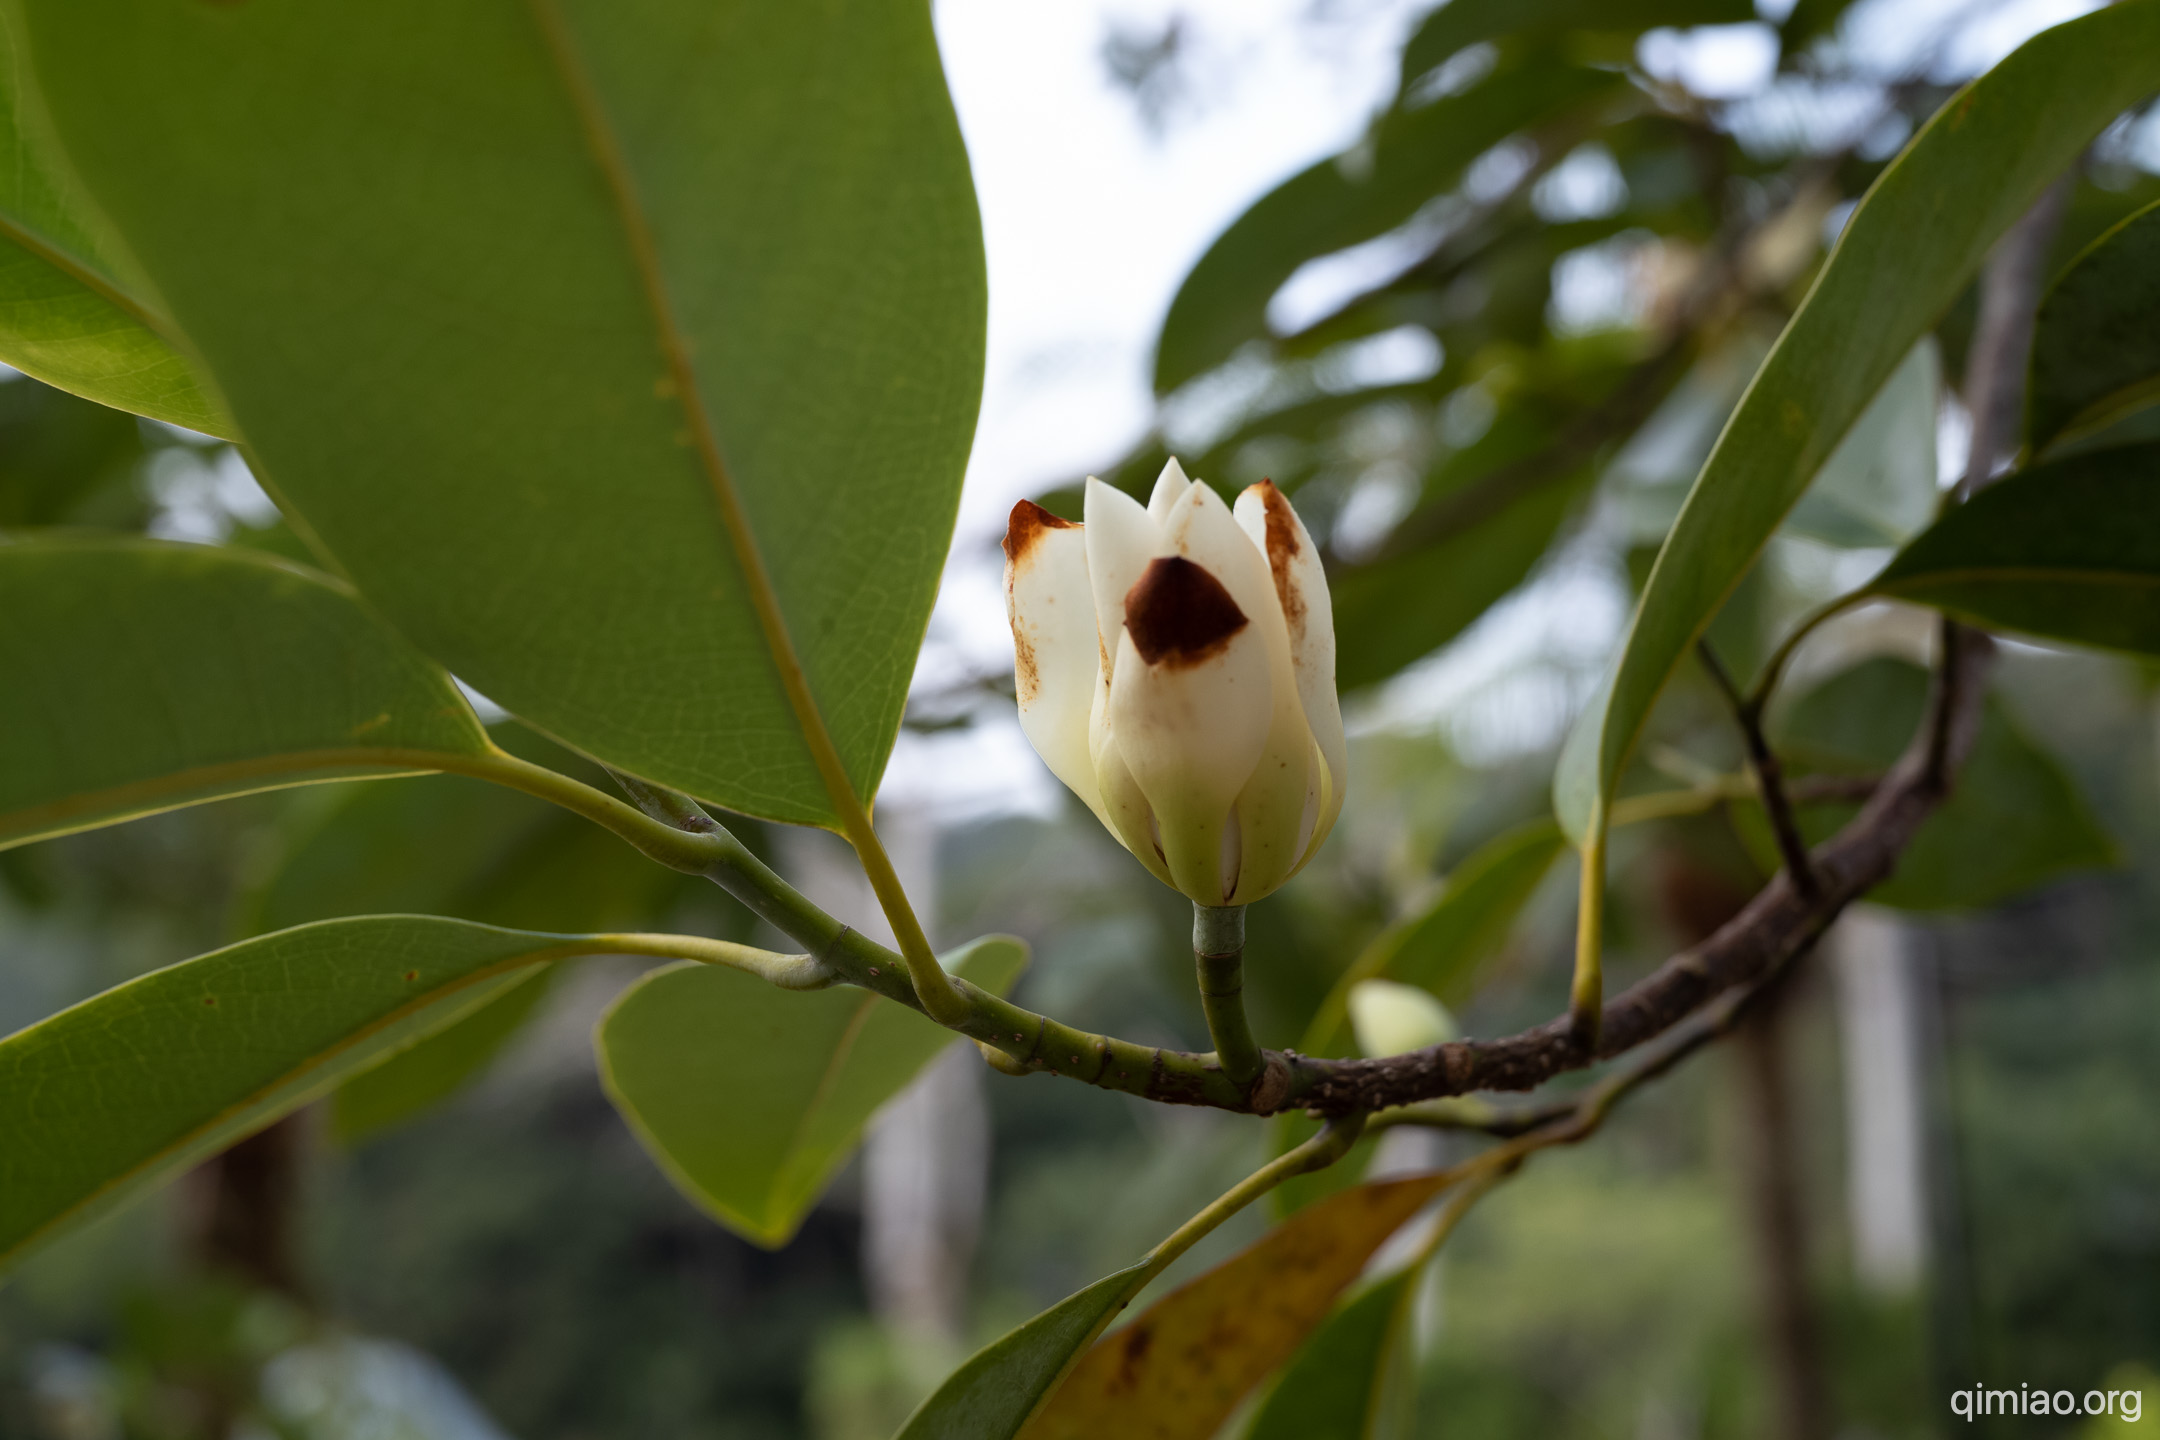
(1176, 669)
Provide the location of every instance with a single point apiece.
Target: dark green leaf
(2014, 820)
(144, 676)
(66, 315)
(1908, 250)
(516, 302)
(1414, 155)
(2068, 550)
(991, 1396)
(2096, 343)
(436, 1067)
(65, 460)
(748, 1096)
(1340, 1384)
(131, 1086)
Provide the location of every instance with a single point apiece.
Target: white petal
(1170, 487)
(1285, 787)
(1121, 539)
(1056, 657)
(1189, 714)
(1309, 616)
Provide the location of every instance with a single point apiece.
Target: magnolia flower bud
(1176, 669)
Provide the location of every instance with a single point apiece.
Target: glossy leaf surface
(542, 316)
(749, 1096)
(2068, 550)
(2015, 820)
(2096, 341)
(991, 1396)
(135, 1084)
(1907, 251)
(1179, 1369)
(66, 316)
(143, 676)
(1340, 1385)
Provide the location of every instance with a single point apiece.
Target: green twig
(1769, 777)
(1218, 939)
(1323, 1150)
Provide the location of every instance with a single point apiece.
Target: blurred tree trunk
(1777, 1227)
(246, 1220)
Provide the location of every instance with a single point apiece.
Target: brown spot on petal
(1029, 523)
(1283, 546)
(1026, 526)
(1179, 615)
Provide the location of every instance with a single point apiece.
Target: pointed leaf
(545, 318)
(1339, 1385)
(2068, 550)
(143, 676)
(1178, 1370)
(749, 1097)
(1908, 250)
(2096, 343)
(66, 316)
(131, 1086)
(991, 1396)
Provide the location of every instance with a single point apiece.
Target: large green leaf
(749, 1097)
(1878, 488)
(131, 1086)
(1908, 250)
(563, 324)
(67, 461)
(1411, 156)
(2069, 550)
(1352, 1377)
(991, 1396)
(143, 676)
(2015, 820)
(2096, 343)
(66, 315)
(1179, 1369)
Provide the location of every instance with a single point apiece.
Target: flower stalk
(1218, 937)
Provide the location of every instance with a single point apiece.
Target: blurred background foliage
(1486, 348)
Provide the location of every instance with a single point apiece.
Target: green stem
(1586, 994)
(1218, 938)
(1323, 1150)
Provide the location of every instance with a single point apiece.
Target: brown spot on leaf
(1179, 615)
(1132, 1350)
(412, 974)
(1026, 526)
(1283, 546)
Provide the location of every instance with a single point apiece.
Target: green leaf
(1908, 250)
(144, 676)
(991, 1396)
(2096, 342)
(749, 1097)
(131, 1086)
(2014, 820)
(1411, 156)
(436, 1067)
(544, 317)
(1179, 1369)
(1459, 24)
(2068, 550)
(1350, 1376)
(66, 461)
(66, 316)
(1878, 488)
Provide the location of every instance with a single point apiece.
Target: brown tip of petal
(1282, 548)
(1027, 525)
(1178, 614)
